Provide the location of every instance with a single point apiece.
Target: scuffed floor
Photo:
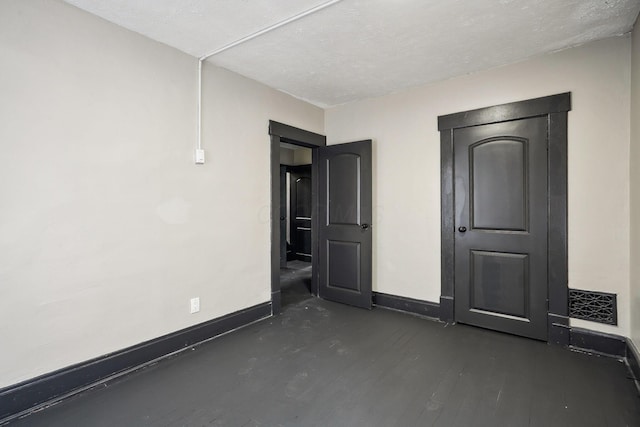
(295, 282)
(326, 364)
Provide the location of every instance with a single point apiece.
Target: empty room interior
(320, 213)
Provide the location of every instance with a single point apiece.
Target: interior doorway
(295, 223)
(286, 136)
(504, 217)
(341, 214)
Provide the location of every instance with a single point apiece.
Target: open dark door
(344, 225)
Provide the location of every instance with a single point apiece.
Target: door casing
(283, 216)
(555, 108)
(280, 132)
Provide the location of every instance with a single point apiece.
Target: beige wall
(635, 185)
(107, 228)
(407, 166)
(286, 156)
(302, 156)
(295, 157)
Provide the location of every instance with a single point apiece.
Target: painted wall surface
(286, 156)
(406, 168)
(635, 185)
(107, 228)
(302, 156)
(295, 157)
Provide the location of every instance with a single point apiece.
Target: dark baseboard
(276, 302)
(633, 362)
(409, 305)
(22, 398)
(598, 342)
(558, 329)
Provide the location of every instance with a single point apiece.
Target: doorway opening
(341, 213)
(296, 223)
(299, 278)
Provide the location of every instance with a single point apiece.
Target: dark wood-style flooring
(326, 364)
(295, 282)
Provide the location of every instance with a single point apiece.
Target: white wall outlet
(198, 156)
(195, 305)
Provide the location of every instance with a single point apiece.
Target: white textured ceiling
(357, 49)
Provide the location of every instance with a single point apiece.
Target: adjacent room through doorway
(295, 218)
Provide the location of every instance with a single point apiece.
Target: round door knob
(364, 226)
(462, 229)
(282, 218)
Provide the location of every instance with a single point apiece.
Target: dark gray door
(344, 226)
(301, 212)
(501, 226)
(283, 216)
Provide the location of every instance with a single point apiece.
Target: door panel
(303, 242)
(344, 187)
(301, 212)
(345, 223)
(500, 283)
(498, 184)
(283, 216)
(303, 195)
(343, 262)
(501, 226)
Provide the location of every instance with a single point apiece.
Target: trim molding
(409, 305)
(598, 342)
(633, 362)
(512, 111)
(559, 329)
(298, 136)
(20, 399)
(280, 132)
(617, 346)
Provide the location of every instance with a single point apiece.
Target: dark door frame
(280, 132)
(555, 108)
(283, 216)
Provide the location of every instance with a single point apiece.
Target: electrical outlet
(195, 305)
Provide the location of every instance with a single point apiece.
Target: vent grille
(598, 307)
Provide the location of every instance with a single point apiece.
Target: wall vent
(598, 307)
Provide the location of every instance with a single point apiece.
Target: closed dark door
(344, 225)
(501, 226)
(301, 212)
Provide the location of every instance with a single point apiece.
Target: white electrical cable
(270, 28)
(243, 40)
(200, 104)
